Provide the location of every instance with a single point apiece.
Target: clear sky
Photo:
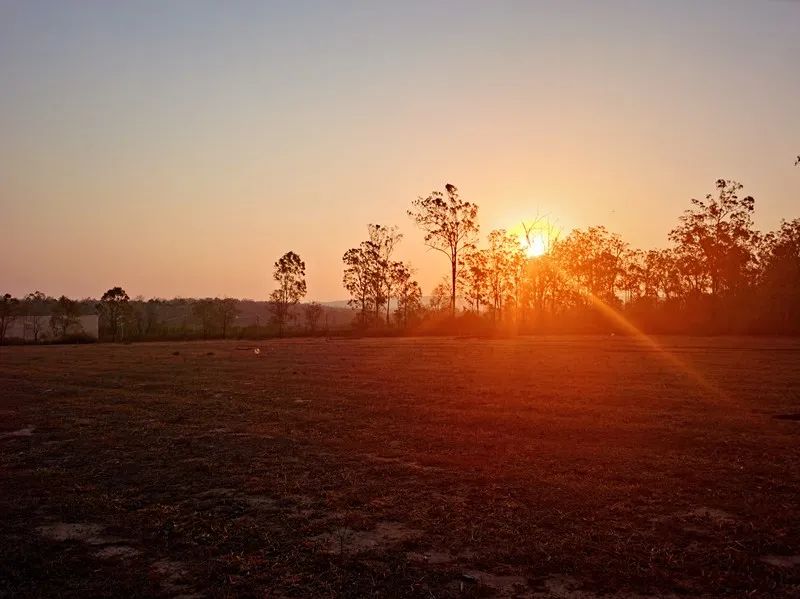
(179, 148)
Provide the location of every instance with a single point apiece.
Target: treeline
(718, 275)
(157, 319)
(121, 318)
(43, 317)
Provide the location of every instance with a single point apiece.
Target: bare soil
(574, 467)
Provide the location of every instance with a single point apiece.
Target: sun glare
(535, 247)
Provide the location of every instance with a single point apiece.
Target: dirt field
(541, 467)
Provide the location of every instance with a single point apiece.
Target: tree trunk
(453, 272)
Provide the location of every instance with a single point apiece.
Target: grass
(538, 467)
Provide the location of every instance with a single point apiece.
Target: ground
(532, 467)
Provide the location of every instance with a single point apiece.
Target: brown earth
(575, 467)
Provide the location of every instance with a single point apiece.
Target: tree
(382, 242)
(34, 306)
(474, 278)
(451, 227)
(358, 281)
(592, 262)
(504, 261)
(439, 300)
(65, 316)
(227, 311)
(371, 276)
(289, 272)
(114, 309)
(9, 307)
(715, 238)
(151, 319)
(780, 277)
(205, 311)
(312, 312)
(409, 295)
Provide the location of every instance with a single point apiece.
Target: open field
(541, 467)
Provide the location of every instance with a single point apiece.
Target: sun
(537, 238)
(536, 246)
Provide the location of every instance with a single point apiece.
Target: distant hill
(336, 304)
(343, 303)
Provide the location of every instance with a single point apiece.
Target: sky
(179, 148)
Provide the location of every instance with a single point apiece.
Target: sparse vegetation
(536, 467)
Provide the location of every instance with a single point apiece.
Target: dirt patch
(697, 520)
(210, 497)
(384, 535)
(502, 584)
(567, 587)
(795, 417)
(782, 561)
(103, 540)
(431, 557)
(23, 432)
(222, 492)
(407, 463)
(710, 513)
(64, 531)
(172, 575)
(116, 551)
(563, 586)
(259, 502)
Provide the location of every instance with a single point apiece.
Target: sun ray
(636, 333)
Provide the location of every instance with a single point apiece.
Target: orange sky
(181, 149)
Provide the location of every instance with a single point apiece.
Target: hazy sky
(178, 148)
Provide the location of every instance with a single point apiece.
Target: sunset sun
(534, 244)
(537, 246)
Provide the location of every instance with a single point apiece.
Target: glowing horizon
(180, 149)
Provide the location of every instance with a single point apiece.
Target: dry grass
(545, 467)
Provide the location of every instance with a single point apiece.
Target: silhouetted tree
(780, 278)
(371, 275)
(358, 280)
(289, 272)
(439, 300)
(451, 227)
(114, 309)
(715, 239)
(9, 310)
(503, 261)
(382, 242)
(227, 311)
(205, 311)
(593, 262)
(34, 306)
(474, 279)
(151, 317)
(66, 313)
(312, 313)
(409, 296)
